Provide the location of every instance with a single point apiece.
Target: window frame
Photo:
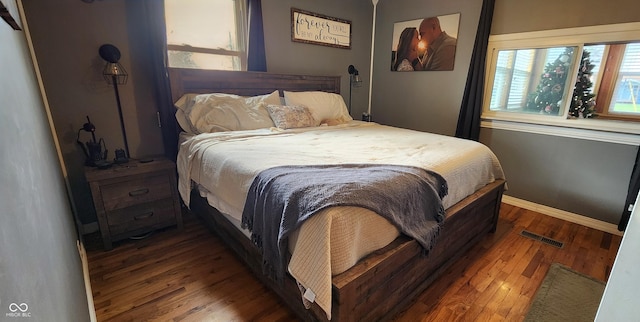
(609, 129)
(607, 83)
(242, 32)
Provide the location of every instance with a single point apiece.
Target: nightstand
(134, 198)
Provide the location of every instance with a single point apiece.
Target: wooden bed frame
(386, 281)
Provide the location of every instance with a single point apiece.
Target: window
(515, 87)
(587, 78)
(621, 86)
(206, 34)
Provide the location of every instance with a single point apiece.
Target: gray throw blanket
(280, 199)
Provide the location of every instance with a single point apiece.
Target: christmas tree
(583, 104)
(547, 98)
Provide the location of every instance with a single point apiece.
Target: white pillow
(325, 107)
(216, 112)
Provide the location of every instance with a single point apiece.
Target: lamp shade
(114, 72)
(355, 79)
(109, 53)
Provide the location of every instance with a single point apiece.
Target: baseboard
(87, 281)
(89, 228)
(564, 215)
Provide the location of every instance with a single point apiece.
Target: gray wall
(286, 56)
(522, 16)
(428, 100)
(39, 261)
(68, 33)
(66, 36)
(580, 176)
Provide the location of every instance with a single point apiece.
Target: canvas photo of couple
(425, 44)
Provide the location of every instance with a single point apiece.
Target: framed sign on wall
(313, 28)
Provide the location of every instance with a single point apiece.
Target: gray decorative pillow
(290, 117)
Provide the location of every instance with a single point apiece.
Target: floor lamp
(116, 75)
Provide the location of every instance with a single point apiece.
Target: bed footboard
(388, 280)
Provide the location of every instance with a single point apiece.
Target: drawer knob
(143, 216)
(139, 192)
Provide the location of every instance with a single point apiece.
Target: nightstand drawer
(147, 215)
(137, 191)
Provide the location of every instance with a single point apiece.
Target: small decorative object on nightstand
(134, 198)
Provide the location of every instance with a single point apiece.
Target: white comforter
(225, 164)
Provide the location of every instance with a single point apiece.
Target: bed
(387, 278)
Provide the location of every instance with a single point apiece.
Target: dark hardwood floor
(192, 276)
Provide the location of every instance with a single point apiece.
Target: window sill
(585, 129)
(619, 117)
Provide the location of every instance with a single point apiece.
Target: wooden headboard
(184, 81)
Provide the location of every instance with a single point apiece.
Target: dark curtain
(150, 38)
(148, 25)
(257, 60)
(634, 186)
(471, 108)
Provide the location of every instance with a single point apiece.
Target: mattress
(223, 166)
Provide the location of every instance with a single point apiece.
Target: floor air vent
(543, 239)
